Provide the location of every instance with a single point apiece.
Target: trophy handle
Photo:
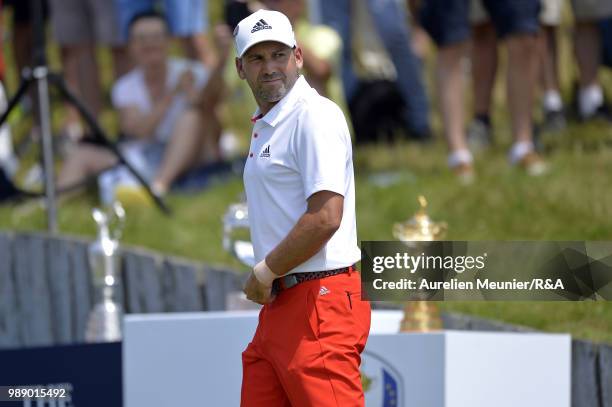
(99, 217)
(116, 220)
(439, 230)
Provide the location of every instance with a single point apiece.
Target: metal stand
(42, 76)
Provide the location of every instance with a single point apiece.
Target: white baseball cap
(263, 25)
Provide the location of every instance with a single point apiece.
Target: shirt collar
(285, 105)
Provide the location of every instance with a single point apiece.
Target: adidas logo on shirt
(266, 152)
(261, 25)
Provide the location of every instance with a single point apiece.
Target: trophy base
(421, 316)
(104, 324)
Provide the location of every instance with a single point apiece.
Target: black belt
(291, 280)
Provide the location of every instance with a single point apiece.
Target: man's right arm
(127, 96)
(135, 123)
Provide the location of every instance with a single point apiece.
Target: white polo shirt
(301, 146)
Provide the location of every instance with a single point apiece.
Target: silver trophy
(235, 222)
(236, 231)
(104, 324)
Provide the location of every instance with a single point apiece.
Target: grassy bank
(572, 202)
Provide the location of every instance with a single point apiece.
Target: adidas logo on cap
(261, 25)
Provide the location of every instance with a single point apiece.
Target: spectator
(606, 36)
(587, 48)
(25, 54)
(23, 48)
(78, 26)
(420, 41)
(552, 104)
(389, 20)
(484, 70)
(164, 130)
(447, 22)
(314, 12)
(235, 10)
(188, 21)
(378, 111)
(22, 35)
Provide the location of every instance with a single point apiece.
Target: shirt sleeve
(201, 75)
(322, 149)
(123, 94)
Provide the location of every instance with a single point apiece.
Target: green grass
(572, 202)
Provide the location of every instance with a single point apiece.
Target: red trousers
(306, 350)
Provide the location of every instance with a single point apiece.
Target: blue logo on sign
(382, 383)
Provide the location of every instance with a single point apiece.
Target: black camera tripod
(40, 75)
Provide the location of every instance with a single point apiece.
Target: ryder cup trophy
(420, 316)
(104, 324)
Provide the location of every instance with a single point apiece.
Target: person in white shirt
(300, 193)
(166, 131)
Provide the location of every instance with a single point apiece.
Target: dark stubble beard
(272, 94)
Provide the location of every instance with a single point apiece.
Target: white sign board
(195, 359)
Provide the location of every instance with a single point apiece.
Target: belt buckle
(288, 281)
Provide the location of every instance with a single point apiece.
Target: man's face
(271, 69)
(149, 42)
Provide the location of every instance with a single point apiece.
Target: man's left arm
(314, 228)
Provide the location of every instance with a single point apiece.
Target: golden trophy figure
(420, 316)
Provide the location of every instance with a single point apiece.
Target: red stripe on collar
(255, 118)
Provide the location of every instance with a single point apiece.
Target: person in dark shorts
(517, 23)
(590, 98)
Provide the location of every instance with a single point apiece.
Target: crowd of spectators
(367, 55)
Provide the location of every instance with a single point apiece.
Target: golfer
(301, 197)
